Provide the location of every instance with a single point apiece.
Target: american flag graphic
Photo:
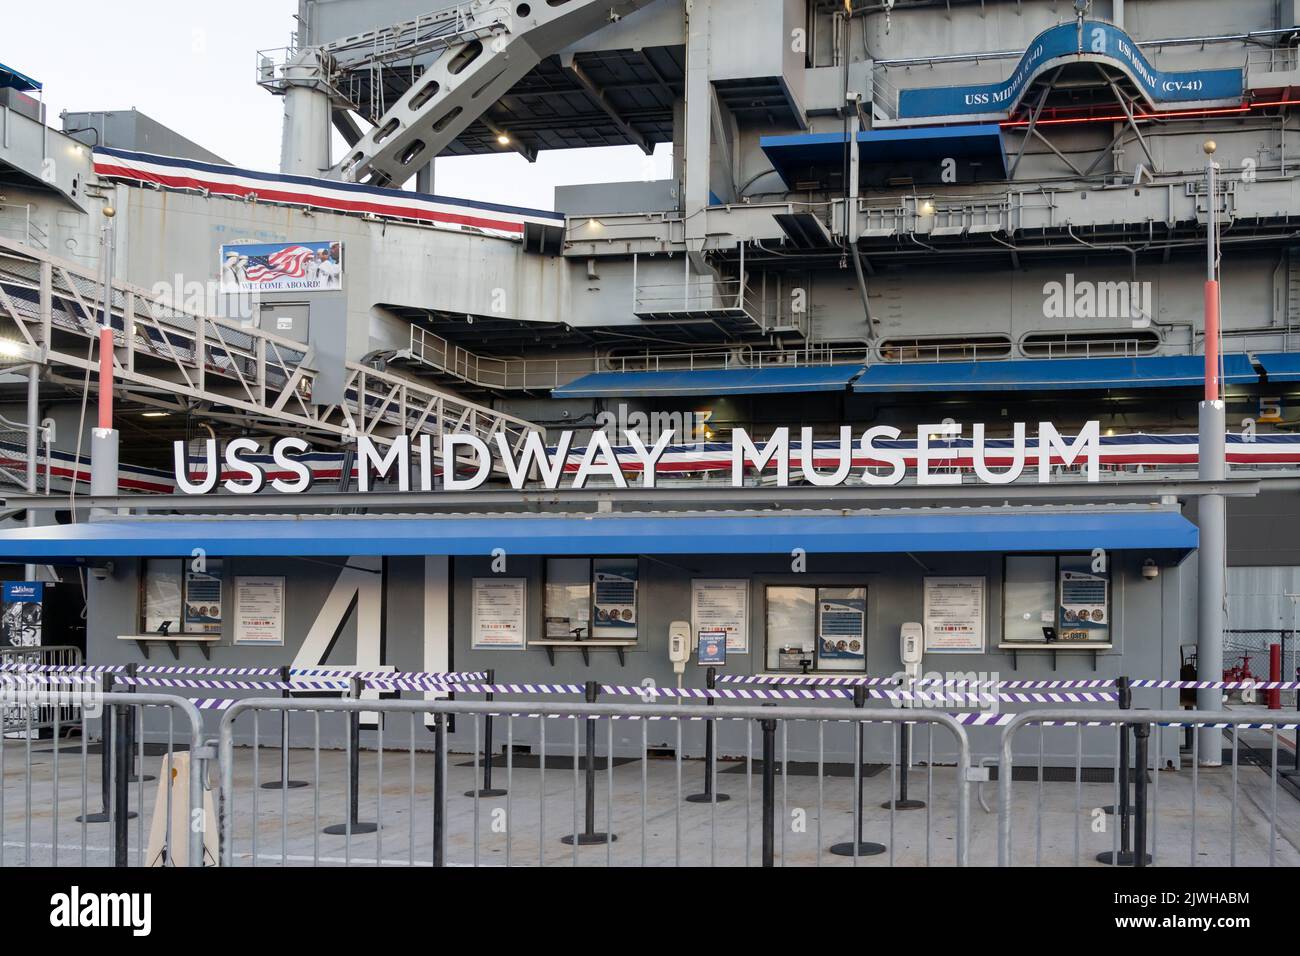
(287, 263)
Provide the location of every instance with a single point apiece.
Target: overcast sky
(191, 66)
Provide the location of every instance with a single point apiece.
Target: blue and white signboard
(20, 625)
(712, 647)
(1096, 41)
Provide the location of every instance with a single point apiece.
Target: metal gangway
(218, 368)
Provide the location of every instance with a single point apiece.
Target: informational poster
(282, 267)
(614, 587)
(21, 623)
(723, 606)
(712, 647)
(954, 615)
(841, 628)
(1084, 600)
(259, 610)
(164, 582)
(567, 599)
(203, 599)
(499, 620)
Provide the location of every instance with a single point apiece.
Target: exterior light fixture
(503, 139)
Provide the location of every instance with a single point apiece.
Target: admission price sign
(954, 615)
(722, 605)
(259, 610)
(499, 618)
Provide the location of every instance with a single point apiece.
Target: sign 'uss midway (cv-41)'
(878, 456)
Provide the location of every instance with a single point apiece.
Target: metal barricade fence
(43, 818)
(34, 657)
(1191, 805)
(413, 807)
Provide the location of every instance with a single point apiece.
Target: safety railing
(60, 801)
(1138, 833)
(429, 822)
(216, 366)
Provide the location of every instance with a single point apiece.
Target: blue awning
(1280, 366)
(1154, 371)
(793, 155)
(731, 381)
(12, 79)
(345, 535)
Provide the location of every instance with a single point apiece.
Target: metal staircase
(215, 368)
(480, 50)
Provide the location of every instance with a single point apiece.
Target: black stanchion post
(905, 764)
(105, 813)
(1139, 855)
(439, 791)
(121, 788)
(589, 835)
(284, 783)
(1125, 809)
(354, 824)
(769, 791)
(863, 847)
(1125, 694)
(488, 790)
(708, 796)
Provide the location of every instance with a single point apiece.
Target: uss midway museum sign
(877, 456)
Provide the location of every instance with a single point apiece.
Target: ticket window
(816, 628)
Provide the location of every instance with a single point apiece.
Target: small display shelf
(586, 647)
(1052, 647)
(203, 642)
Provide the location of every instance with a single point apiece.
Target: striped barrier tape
(958, 698)
(211, 671)
(381, 675)
(239, 671)
(1143, 683)
(13, 666)
(35, 679)
(334, 686)
(417, 680)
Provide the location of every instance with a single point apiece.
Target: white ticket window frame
(976, 642)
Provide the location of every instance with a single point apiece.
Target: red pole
(1212, 340)
(1275, 674)
(106, 376)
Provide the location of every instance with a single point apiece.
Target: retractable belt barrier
(465, 681)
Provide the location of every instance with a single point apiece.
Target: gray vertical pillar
(425, 179)
(33, 446)
(1213, 556)
(1212, 466)
(698, 125)
(305, 145)
(103, 466)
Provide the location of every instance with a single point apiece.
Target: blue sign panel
(712, 647)
(20, 621)
(1095, 41)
